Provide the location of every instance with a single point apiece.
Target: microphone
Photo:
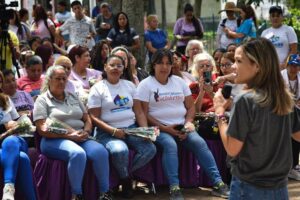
(226, 91)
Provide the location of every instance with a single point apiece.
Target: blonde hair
(201, 57)
(268, 83)
(63, 59)
(151, 17)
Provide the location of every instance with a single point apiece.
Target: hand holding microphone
(222, 99)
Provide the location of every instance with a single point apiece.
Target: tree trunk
(150, 7)
(116, 5)
(197, 8)
(163, 15)
(180, 7)
(136, 13)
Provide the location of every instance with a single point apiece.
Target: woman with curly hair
(99, 55)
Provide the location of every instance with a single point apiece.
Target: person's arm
(232, 145)
(95, 113)
(190, 107)
(139, 114)
(136, 45)
(232, 34)
(87, 123)
(150, 47)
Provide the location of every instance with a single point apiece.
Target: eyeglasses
(227, 65)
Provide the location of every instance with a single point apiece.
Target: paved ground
(202, 193)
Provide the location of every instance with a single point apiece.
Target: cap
(294, 59)
(229, 6)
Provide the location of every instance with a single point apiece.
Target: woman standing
(74, 147)
(187, 28)
(282, 36)
(258, 134)
(113, 106)
(168, 104)
(122, 35)
(14, 159)
(247, 25)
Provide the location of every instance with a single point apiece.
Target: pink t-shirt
(40, 29)
(27, 85)
(91, 76)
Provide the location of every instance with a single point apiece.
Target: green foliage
(294, 20)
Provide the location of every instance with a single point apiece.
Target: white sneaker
(294, 174)
(8, 192)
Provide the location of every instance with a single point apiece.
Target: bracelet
(114, 131)
(221, 117)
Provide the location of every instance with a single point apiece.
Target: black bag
(204, 124)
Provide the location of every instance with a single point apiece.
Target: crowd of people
(82, 71)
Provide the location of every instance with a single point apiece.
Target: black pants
(295, 150)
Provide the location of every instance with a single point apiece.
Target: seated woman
(192, 49)
(33, 81)
(23, 102)
(112, 106)
(168, 104)
(81, 72)
(14, 159)
(71, 86)
(74, 147)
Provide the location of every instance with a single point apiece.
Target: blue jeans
(76, 154)
(118, 150)
(16, 163)
(240, 190)
(194, 143)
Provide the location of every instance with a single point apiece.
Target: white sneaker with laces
(8, 192)
(294, 174)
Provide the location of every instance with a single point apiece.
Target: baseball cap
(294, 59)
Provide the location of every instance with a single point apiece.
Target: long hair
(17, 22)
(199, 32)
(97, 61)
(268, 83)
(4, 102)
(45, 53)
(250, 13)
(39, 13)
(117, 26)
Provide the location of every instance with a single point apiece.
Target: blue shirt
(248, 29)
(158, 39)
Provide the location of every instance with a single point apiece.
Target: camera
(5, 14)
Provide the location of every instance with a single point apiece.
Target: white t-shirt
(291, 84)
(40, 29)
(281, 38)
(222, 40)
(115, 101)
(166, 102)
(9, 114)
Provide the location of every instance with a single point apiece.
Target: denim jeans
(118, 150)
(75, 154)
(15, 162)
(194, 143)
(240, 190)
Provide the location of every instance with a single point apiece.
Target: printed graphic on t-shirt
(275, 41)
(168, 96)
(120, 101)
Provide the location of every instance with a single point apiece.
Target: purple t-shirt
(22, 101)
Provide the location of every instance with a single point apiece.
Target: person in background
(99, 54)
(193, 48)
(217, 55)
(73, 147)
(24, 17)
(71, 86)
(291, 77)
(230, 22)
(32, 83)
(231, 48)
(46, 54)
(22, 100)
(34, 43)
(104, 22)
(81, 28)
(247, 27)
(168, 104)
(112, 106)
(57, 51)
(187, 28)
(62, 14)
(137, 72)
(155, 38)
(15, 162)
(283, 37)
(96, 10)
(18, 28)
(262, 121)
(42, 26)
(122, 34)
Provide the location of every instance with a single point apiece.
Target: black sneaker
(221, 190)
(127, 190)
(106, 196)
(175, 193)
(79, 197)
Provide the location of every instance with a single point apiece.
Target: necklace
(294, 88)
